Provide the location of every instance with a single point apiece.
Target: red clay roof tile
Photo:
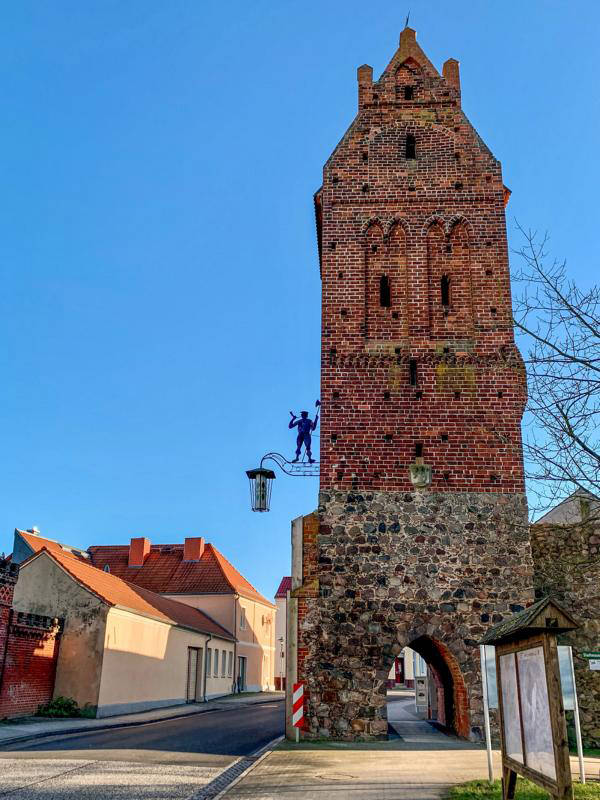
(116, 592)
(165, 571)
(284, 586)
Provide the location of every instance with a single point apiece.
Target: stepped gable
(118, 593)
(165, 571)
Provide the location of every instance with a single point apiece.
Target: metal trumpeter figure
(305, 428)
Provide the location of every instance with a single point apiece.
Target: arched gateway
(420, 537)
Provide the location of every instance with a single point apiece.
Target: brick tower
(421, 534)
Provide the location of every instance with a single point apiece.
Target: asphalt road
(173, 759)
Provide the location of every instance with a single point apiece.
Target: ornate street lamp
(261, 481)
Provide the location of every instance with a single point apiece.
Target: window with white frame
(242, 618)
(216, 672)
(230, 665)
(208, 660)
(223, 662)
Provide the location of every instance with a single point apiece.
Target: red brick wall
(413, 222)
(28, 653)
(29, 669)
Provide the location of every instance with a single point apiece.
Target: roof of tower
(408, 48)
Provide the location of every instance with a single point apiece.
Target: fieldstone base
(386, 570)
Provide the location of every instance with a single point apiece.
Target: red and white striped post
(298, 708)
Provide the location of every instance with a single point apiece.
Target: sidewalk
(38, 727)
(422, 763)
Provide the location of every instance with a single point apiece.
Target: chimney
(193, 548)
(138, 550)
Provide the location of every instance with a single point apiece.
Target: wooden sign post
(532, 718)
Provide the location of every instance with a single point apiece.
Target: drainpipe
(235, 599)
(206, 643)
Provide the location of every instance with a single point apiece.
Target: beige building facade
(124, 649)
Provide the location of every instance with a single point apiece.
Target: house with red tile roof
(124, 648)
(195, 573)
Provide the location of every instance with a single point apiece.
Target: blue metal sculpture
(305, 427)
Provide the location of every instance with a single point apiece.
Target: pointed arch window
(385, 292)
(445, 290)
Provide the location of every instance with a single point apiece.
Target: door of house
(241, 677)
(194, 675)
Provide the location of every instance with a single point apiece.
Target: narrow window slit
(385, 294)
(418, 449)
(412, 370)
(445, 290)
(411, 146)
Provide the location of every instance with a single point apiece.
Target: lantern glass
(261, 481)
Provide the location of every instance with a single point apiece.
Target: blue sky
(159, 313)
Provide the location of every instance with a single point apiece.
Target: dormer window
(409, 92)
(411, 146)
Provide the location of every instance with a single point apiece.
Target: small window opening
(106, 568)
(388, 437)
(375, 98)
(395, 315)
(446, 350)
(385, 294)
(500, 393)
(365, 188)
(446, 476)
(344, 312)
(489, 273)
(493, 311)
(409, 92)
(458, 185)
(386, 395)
(418, 449)
(335, 179)
(444, 437)
(445, 290)
(332, 245)
(340, 275)
(448, 247)
(494, 478)
(411, 146)
(365, 156)
(334, 437)
(373, 248)
(335, 394)
(457, 395)
(412, 368)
